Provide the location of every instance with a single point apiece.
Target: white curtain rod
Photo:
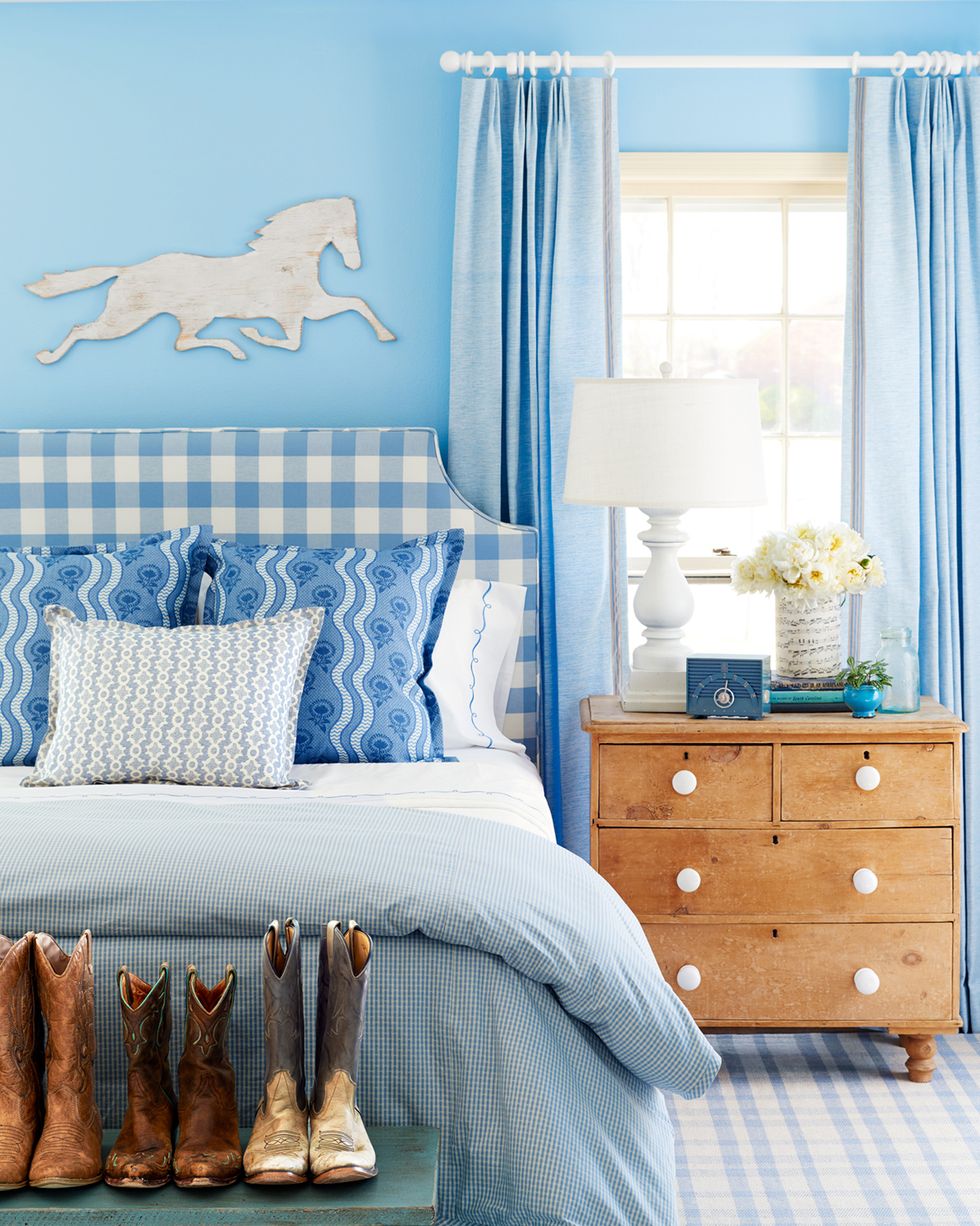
(516, 63)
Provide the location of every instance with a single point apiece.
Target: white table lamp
(664, 445)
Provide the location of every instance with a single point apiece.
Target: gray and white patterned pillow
(195, 704)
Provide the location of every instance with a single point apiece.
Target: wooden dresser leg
(921, 1051)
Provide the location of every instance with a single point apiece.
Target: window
(734, 265)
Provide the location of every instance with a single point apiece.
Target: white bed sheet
(493, 784)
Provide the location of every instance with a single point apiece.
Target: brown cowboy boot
(143, 1150)
(69, 1152)
(340, 1149)
(20, 1087)
(209, 1151)
(278, 1150)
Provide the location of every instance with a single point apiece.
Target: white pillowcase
(473, 663)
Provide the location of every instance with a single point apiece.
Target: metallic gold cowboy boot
(340, 1149)
(20, 1088)
(143, 1151)
(69, 1153)
(209, 1152)
(279, 1148)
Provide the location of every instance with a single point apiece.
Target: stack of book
(803, 694)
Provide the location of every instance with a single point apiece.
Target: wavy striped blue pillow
(365, 698)
(152, 583)
(199, 558)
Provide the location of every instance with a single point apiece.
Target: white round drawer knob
(866, 981)
(684, 782)
(867, 778)
(689, 880)
(865, 881)
(688, 978)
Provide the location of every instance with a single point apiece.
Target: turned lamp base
(663, 604)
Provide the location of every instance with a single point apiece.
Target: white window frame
(782, 176)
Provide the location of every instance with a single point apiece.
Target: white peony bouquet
(809, 563)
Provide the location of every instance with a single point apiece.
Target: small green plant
(864, 672)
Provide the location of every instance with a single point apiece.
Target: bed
(515, 1004)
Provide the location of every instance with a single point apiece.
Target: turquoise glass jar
(902, 662)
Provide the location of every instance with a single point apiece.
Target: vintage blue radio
(728, 687)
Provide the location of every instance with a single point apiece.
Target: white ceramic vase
(808, 637)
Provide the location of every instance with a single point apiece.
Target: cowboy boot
(143, 1150)
(340, 1149)
(279, 1148)
(69, 1153)
(209, 1152)
(20, 1084)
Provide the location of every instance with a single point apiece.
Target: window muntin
(734, 265)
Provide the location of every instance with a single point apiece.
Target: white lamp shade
(665, 443)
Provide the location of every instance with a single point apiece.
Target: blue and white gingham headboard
(293, 486)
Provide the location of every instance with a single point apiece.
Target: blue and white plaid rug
(826, 1128)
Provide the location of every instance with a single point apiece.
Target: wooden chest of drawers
(800, 871)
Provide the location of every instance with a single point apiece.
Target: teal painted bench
(403, 1194)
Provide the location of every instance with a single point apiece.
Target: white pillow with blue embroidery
(473, 663)
(366, 697)
(208, 705)
(154, 582)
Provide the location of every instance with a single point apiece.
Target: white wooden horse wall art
(278, 279)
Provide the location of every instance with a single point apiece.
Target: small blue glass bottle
(902, 662)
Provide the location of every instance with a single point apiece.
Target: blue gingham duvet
(514, 1002)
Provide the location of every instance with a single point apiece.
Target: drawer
(802, 973)
(792, 873)
(732, 784)
(819, 783)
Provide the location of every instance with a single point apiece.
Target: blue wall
(133, 129)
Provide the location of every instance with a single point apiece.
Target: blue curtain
(912, 397)
(535, 304)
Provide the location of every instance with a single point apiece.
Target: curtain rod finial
(450, 61)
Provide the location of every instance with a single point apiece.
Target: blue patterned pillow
(199, 557)
(149, 584)
(210, 705)
(365, 698)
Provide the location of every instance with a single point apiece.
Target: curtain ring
(468, 63)
(923, 60)
(510, 63)
(532, 63)
(900, 65)
(936, 63)
(488, 64)
(554, 63)
(855, 63)
(967, 63)
(609, 63)
(566, 63)
(520, 63)
(949, 63)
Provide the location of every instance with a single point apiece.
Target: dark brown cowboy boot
(279, 1148)
(143, 1151)
(209, 1152)
(69, 1152)
(20, 1088)
(340, 1149)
